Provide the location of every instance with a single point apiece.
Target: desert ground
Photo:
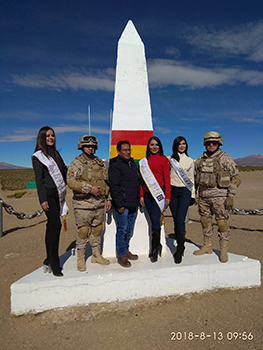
(141, 324)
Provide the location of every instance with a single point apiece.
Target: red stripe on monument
(135, 137)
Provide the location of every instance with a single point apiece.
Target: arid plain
(141, 324)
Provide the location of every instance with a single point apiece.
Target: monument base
(38, 292)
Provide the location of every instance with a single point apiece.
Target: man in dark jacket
(125, 192)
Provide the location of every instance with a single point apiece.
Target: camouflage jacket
(83, 175)
(225, 173)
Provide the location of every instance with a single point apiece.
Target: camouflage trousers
(90, 224)
(207, 207)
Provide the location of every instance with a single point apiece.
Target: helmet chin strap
(88, 154)
(211, 152)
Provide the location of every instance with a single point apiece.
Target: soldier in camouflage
(87, 177)
(217, 180)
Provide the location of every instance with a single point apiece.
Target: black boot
(46, 266)
(54, 263)
(52, 248)
(156, 245)
(173, 235)
(180, 247)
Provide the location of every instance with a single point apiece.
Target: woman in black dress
(50, 175)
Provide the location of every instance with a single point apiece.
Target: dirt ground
(156, 323)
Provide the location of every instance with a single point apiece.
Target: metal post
(89, 117)
(1, 218)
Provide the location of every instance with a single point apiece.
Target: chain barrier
(10, 210)
(236, 211)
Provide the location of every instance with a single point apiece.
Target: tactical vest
(210, 174)
(95, 174)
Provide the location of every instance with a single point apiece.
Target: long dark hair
(41, 144)
(148, 153)
(176, 144)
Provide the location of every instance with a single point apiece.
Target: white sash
(152, 184)
(181, 174)
(57, 177)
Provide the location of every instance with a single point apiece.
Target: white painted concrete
(37, 291)
(139, 243)
(132, 109)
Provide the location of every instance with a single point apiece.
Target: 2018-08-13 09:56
(213, 336)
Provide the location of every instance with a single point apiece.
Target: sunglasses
(211, 143)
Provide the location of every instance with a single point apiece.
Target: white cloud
(168, 72)
(249, 120)
(161, 73)
(163, 130)
(99, 80)
(79, 128)
(17, 138)
(172, 51)
(83, 117)
(255, 117)
(246, 40)
(27, 134)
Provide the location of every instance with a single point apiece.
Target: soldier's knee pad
(83, 232)
(96, 230)
(205, 221)
(222, 225)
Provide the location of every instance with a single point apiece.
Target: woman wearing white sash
(182, 191)
(160, 168)
(50, 174)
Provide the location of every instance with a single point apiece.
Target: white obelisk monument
(132, 120)
(132, 116)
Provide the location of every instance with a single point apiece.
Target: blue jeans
(125, 226)
(153, 209)
(180, 200)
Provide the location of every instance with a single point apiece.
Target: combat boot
(206, 248)
(223, 250)
(81, 265)
(97, 257)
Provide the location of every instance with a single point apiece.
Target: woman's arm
(39, 177)
(167, 178)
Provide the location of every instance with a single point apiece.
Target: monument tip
(130, 35)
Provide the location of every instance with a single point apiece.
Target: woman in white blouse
(182, 191)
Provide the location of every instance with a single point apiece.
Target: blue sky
(204, 63)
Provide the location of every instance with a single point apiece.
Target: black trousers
(53, 231)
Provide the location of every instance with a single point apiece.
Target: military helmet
(88, 140)
(213, 136)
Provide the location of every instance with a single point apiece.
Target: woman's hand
(142, 202)
(192, 201)
(45, 206)
(167, 202)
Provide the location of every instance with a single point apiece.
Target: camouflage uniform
(217, 179)
(89, 210)
(85, 175)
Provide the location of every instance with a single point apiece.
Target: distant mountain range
(10, 166)
(253, 160)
